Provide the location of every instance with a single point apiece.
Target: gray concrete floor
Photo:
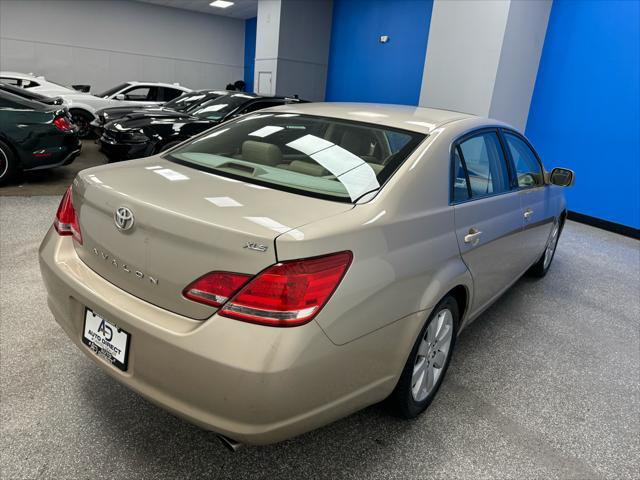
(56, 180)
(544, 385)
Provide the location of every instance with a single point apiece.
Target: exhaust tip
(230, 444)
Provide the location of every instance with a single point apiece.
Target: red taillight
(215, 288)
(66, 222)
(289, 293)
(63, 124)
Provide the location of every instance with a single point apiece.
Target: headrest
(357, 142)
(261, 153)
(307, 168)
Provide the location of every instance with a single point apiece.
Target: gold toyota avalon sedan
(292, 266)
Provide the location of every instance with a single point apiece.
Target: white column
(483, 56)
(292, 47)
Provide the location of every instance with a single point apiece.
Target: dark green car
(34, 135)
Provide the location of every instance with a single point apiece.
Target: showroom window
(485, 164)
(527, 166)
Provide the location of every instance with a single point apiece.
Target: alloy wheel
(551, 245)
(81, 122)
(433, 352)
(4, 163)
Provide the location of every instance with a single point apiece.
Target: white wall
(292, 44)
(482, 57)
(103, 43)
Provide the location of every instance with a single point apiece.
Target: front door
(534, 197)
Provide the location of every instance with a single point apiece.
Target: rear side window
(528, 169)
(460, 184)
(485, 165)
(165, 94)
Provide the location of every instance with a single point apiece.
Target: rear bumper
(124, 151)
(56, 156)
(254, 384)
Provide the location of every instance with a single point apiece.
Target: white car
(83, 106)
(34, 83)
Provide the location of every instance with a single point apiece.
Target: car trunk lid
(185, 224)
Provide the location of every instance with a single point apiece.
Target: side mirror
(562, 177)
(121, 96)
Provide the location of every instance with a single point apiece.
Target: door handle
(473, 237)
(527, 213)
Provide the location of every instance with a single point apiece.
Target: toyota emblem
(123, 218)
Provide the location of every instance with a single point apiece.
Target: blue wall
(586, 105)
(250, 26)
(361, 69)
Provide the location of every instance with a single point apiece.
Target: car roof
(418, 119)
(27, 76)
(160, 84)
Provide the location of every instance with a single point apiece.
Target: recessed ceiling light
(221, 4)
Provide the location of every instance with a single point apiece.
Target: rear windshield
(220, 107)
(315, 156)
(189, 100)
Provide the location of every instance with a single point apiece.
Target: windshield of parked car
(111, 91)
(317, 156)
(218, 108)
(188, 100)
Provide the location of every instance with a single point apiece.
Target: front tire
(9, 167)
(428, 361)
(82, 120)
(541, 267)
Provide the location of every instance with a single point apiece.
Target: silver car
(294, 265)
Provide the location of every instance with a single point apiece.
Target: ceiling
(240, 9)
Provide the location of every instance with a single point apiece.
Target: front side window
(528, 169)
(485, 164)
(314, 156)
(141, 94)
(112, 91)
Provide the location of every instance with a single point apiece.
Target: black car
(34, 135)
(182, 103)
(30, 95)
(146, 133)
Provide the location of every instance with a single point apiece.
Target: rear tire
(541, 267)
(9, 167)
(82, 119)
(428, 361)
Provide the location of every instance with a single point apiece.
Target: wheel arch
(83, 109)
(13, 149)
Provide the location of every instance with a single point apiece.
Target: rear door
(488, 215)
(534, 195)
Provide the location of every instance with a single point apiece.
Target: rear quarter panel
(405, 253)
